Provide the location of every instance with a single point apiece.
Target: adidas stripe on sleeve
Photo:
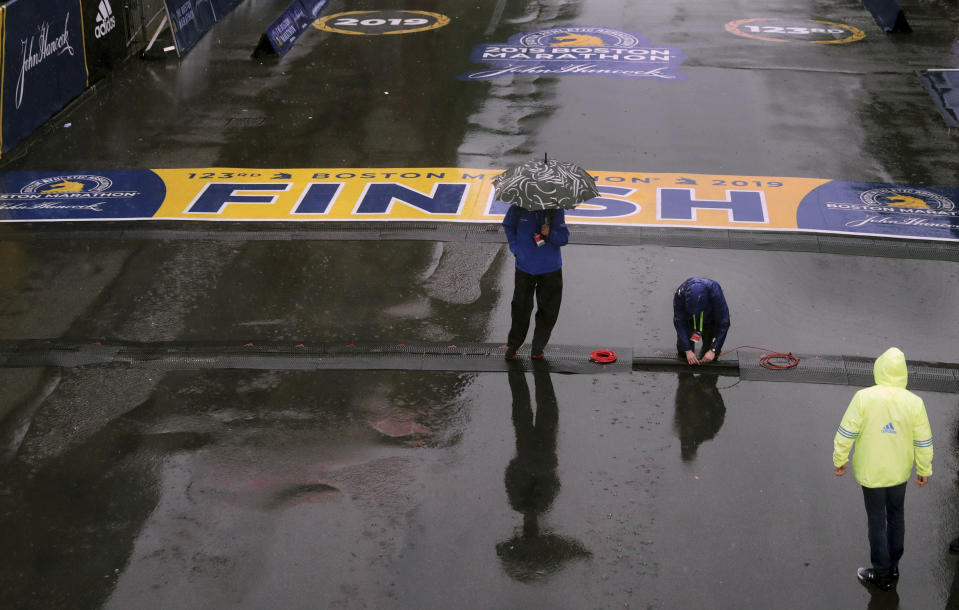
(846, 433)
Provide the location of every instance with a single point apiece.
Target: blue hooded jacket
(699, 296)
(521, 225)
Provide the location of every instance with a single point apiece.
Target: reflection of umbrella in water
(532, 483)
(529, 558)
(546, 184)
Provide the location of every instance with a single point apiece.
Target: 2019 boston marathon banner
(466, 195)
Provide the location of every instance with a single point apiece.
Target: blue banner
(291, 24)
(190, 20)
(43, 64)
(112, 195)
(881, 209)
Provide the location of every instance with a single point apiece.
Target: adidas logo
(106, 20)
(888, 429)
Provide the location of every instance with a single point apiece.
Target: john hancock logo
(73, 192)
(577, 50)
(36, 49)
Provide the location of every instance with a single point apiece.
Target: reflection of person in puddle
(700, 412)
(532, 483)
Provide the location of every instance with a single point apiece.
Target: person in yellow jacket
(891, 431)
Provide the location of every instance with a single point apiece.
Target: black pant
(548, 290)
(709, 335)
(885, 511)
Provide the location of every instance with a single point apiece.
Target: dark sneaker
(954, 546)
(537, 356)
(868, 576)
(510, 353)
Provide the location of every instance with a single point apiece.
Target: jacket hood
(890, 368)
(696, 298)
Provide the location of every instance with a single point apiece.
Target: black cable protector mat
(470, 357)
(464, 357)
(850, 370)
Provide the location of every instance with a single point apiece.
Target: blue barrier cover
(291, 24)
(190, 20)
(43, 64)
(104, 27)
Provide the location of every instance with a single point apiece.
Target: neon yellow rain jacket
(889, 425)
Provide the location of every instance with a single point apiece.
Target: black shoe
(868, 576)
(954, 546)
(510, 353)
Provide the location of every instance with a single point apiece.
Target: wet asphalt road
(128, 488)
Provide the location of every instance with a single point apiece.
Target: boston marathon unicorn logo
(76, 183)
(577, 40)
(906, 198)
(597, 51)
(65, 186)
(881, 209)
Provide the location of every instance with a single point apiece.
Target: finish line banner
(466, 195)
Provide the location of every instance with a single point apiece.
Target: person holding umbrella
(535, 227)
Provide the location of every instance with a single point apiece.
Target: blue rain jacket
(521, 225)
(700, 296)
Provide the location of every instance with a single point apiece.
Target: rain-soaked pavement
(134, 488)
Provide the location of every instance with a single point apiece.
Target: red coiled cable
(782, 360)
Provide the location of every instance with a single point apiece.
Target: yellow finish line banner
(466, 195)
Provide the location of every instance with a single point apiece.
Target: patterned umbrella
(546, 184)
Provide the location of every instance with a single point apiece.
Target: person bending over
(700, 313)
